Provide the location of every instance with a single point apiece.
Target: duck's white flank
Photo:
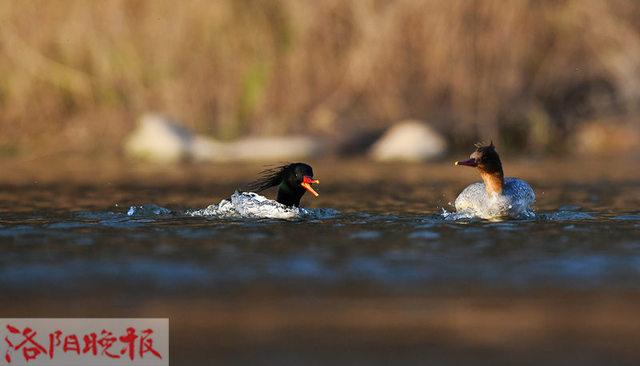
(516, 199)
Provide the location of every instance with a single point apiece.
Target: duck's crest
(269, 178)
(481, 144)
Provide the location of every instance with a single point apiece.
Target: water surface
(378, 268)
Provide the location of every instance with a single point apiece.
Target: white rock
(159, 138)
(207, 149)
(409, 141)
(274, 148)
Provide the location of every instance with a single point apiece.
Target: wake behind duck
(250, 205)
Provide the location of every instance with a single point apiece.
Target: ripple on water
(423, 234)
(466, 215)
(365, 235)
(630, 217)
(569, 208)
(567, 216)
(147, 272)
(68, 225)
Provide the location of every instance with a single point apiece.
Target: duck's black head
(487, 161)
(293, 180)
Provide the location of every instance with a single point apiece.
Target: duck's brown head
(487, 161)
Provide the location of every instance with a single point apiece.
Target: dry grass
(74, 75)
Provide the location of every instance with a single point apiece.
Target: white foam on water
(253, 205)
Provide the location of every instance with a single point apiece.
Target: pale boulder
(409, 141)
(205, 148)
(158, 138)
(275, 148)
(162, 140)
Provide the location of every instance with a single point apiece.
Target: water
(377, 270)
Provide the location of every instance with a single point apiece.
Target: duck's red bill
(470, 162)
(306, 183)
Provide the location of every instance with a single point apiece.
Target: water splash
(239, 205)
(249, 205)
(253, 205)
(148, 209)
(469, 214)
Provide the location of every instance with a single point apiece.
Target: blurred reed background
(75, 75)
